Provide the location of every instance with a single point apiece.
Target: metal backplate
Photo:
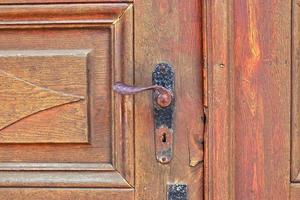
(163, 75)
(177, 192)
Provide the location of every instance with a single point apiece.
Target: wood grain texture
(60, 1)
(218, 61)
(34, 82)
(61, 14)
(65, 194)
(294, 191)
(84, 178)
(97, 41)
(171, 34)
(105, 51)
(14, 166)
(248, 59)
(123, 157)
(262, 96)
(295, 160)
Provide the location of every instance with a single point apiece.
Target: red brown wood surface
(262, 98)
(218, 145)
(249, 117)
(169, 31)
(58, 1)
(93, 156)
(47, 62)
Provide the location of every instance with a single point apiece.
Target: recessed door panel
(59, 121)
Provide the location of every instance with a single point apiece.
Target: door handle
(163, 107)
(164, 96)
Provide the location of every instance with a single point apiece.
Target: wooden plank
(87, 179)
(56, 167)
(61, 14)
(124, 117)
(295, 140)
(262, 96)
(60, 1)
(65, 194)
(294, 191)
(169, 31)
(218, 60)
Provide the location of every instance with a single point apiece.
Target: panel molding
(7, 2)
(61, 13)
(66, 193)
(123, 158)
(61, 175)
(105, 179)
(56, 167)
(295, 136)
(29, 95)
(120, 173)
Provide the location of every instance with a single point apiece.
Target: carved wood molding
(118, 18)
(61, 13)
(7, 2)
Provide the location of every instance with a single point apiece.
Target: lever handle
(163, 82)
(164, 96)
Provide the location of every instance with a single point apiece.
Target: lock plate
(163, 75)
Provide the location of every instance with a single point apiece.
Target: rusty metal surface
(177, 192)
(163, 75)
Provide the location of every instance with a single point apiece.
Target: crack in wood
(39, 99)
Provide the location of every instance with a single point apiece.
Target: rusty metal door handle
(163, 108)
(164, 96)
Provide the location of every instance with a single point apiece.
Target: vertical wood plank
(262, 99)
(169, 31)
(124, 117)
(218, 144)
(295, 140)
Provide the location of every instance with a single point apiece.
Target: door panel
(43, 103)
(61, 125)
(64, 134)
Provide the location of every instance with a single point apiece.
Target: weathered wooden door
(64, 133)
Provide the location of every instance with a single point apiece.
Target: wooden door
(64, 134)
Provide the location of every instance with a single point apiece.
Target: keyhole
(164, 138)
